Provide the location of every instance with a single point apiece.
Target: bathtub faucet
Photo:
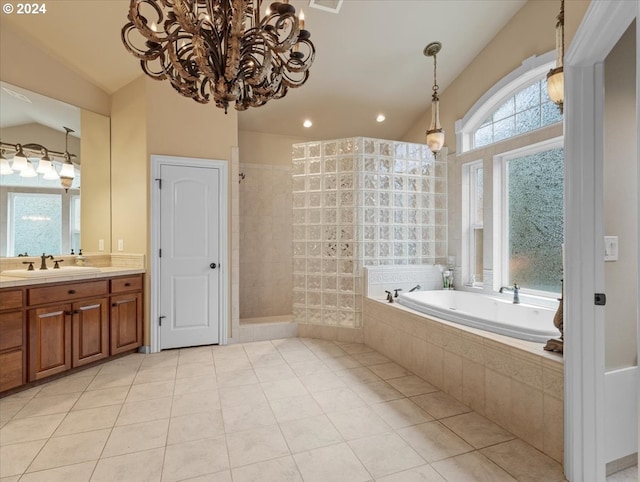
(415, 288)
(516, 292)
(389, 296)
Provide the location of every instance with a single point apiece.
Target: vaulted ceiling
(369, 58)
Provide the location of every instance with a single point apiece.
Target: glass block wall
(361, 202)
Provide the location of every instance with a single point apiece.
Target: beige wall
(621, 201)
(531, 31)
(43, 74)
(272, 149)
(148, 117)
(95, 188)
(129, 167)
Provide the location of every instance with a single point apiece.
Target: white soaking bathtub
(526, 322)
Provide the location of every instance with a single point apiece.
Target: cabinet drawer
(12, 373)
(67, 292)
(11, 330)
(129, 283)
(10, 299)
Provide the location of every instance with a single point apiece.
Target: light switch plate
(611, 248)
(121, 245)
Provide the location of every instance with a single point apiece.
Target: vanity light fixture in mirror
(22, 164)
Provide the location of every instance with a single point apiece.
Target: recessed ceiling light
(307, 123)
(380, 118)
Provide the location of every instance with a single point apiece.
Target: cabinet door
(90, 331)
(12, 350)
(49, 340)
(126, 322)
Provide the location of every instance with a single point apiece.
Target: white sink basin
(49, 273)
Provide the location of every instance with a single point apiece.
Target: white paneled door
(189, 256)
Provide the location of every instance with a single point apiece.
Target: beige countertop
(105, 272)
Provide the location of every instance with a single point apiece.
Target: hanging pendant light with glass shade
(555, 77)
(435, 134)
(67, 173)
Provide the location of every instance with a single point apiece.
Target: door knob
(213, 266)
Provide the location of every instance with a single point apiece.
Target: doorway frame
(584, 402)
(157, 161)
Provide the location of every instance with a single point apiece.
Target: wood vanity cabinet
(63, 333)
(13, 339)
(47, 329)
(126, 313)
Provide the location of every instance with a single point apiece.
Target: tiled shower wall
(361, 202)
(265, 241)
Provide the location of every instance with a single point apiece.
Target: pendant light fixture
(555, 77)
(67, 172)
(435, 134)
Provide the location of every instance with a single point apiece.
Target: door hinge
(600, 299)
(160, 320)
(160, 253)
(159, 182)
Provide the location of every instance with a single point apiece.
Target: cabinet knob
(114, 304)
(68, 313)
(127, 284)
(72, 292)
(76, 312)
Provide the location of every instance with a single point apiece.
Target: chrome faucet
(43, 259)
(516, 292)
(415, 288)
(389, 296)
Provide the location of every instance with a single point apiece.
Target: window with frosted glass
(35, 225)
(535, 220)
(529, 109)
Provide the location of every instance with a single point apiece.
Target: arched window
(529, 109)
(497, 147)
(517, 104)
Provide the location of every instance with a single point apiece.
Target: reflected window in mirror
(40, 216)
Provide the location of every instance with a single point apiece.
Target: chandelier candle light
(435, 134)
(222, 49)
(555, 77)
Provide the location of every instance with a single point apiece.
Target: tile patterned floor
(626, 475)
(284, 410)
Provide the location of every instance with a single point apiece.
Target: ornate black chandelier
(228, 50)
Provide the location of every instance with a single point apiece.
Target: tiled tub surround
(514, 383)
(360, 202)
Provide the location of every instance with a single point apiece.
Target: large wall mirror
(52, 203)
